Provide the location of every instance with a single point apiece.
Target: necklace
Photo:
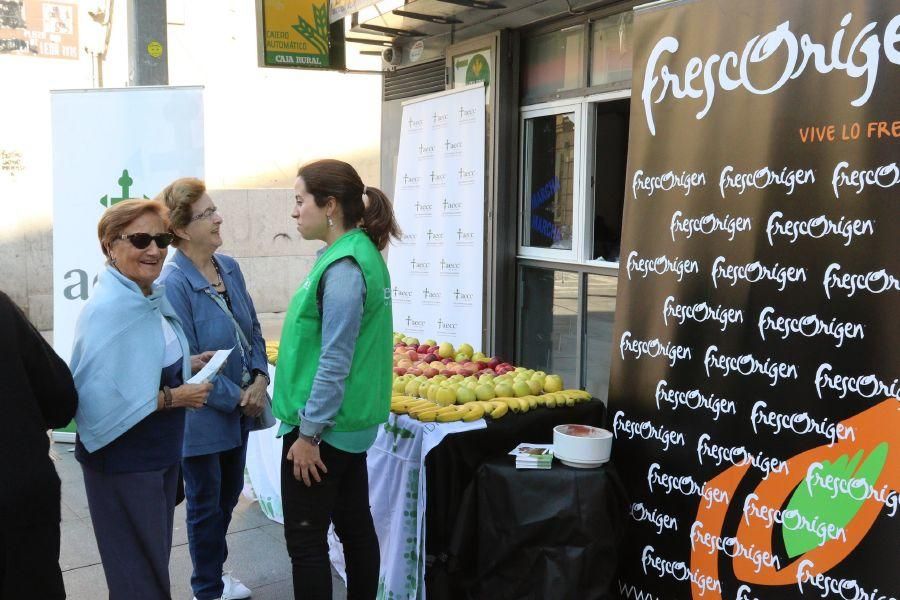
(219, 283)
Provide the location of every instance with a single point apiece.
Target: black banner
(754, 385)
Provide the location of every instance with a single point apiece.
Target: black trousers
(29, 561)
(342, 498)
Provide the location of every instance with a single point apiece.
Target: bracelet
(167, 397)
(315, 440)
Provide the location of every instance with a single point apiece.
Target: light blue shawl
(117, 357)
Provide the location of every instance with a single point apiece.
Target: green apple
(445, 396)
(534, 386)
(399, 387)
(504, 390)
(485, 392)
(487, 377)
(464, 394)
(445, 350)
(430, 343)
(553, 383)
(467, 350)
(479, 357)
(460, 357)
(521, 388)
(412, 388)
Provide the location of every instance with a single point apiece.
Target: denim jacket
(219, 425)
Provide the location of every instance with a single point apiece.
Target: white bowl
(581, 446)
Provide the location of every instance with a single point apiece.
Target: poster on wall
(437, 267)
(111, 145)
(38, 28)
(296, 34)
(754, 384)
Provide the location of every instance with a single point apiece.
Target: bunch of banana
(493, 408)
(403, 405)
(272, 352)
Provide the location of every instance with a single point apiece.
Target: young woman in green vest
(333, 386)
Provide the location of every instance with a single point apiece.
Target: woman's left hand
(198, 361)
(253, 399)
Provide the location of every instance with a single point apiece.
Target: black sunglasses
(142, 240)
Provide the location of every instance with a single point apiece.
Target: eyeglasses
(142, 240)
(206, 214)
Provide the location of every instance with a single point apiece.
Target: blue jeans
(212, 485)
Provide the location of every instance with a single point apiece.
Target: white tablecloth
(396, 493)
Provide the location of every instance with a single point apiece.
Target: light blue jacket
(219, 425)
(117, 357)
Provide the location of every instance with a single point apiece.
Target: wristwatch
(315, 440)
(258, 373)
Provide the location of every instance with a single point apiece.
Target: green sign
(297, 34)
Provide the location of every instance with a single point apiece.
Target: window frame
(532, 112)
(589, 154)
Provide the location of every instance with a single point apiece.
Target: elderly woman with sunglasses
(130, 362)
(208, 292)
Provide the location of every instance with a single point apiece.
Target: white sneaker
(234, 589)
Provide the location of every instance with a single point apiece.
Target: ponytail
(329, 178)
(379, 220)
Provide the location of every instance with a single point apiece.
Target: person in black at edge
(36, 394)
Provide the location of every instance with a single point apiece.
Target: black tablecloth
(450, 469)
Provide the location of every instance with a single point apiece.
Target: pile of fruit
(437, 382)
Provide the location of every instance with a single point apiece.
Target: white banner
(111, 145)
(437, 268)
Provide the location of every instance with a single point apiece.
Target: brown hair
(334, 178)
(119, 216)
(179, 196)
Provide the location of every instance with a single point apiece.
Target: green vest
(367, 391)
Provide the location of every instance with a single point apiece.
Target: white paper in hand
(212, 367)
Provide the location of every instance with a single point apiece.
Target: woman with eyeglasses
(208, 292)
(130, 361)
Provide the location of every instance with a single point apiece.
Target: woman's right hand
(191, 395)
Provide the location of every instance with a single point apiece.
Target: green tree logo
(125, 182)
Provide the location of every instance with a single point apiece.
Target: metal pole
(148, 51)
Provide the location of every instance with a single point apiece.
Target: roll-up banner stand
(437, 267)
(110, 145)
(754, 384)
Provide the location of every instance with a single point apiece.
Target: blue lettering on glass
(545, 228)
(547, 191)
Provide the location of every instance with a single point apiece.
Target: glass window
(611, 47)
(610, 153)
(548, 315)
(549, 181)
(553, 62)
(598, 325)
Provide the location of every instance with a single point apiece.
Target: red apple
(413, 355)
(433, 349)
(429, 372)
(465, 371)
(446, 361)
(399, 370)
(430, 358)
(422, 349)
(495, 360)
(414, 371)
